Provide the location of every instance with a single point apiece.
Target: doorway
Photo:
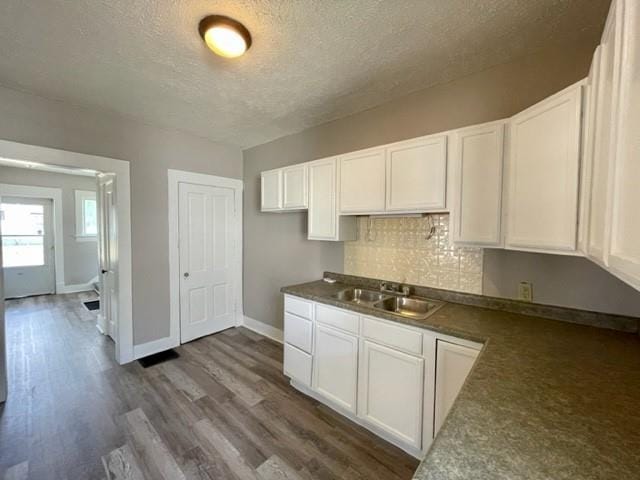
(205, 262)
(119, 285)
(27, 246)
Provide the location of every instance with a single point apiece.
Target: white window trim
(80, 197)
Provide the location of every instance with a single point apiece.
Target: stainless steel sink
(410, 307)
(359, 295)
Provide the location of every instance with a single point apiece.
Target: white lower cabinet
(379, 373)
(453, 364)
(297, 364)
(391, 392)
(336, 366)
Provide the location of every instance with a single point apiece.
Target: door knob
(104, 271)
(186, 274)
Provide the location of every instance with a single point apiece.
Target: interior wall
(151, 151)
(286, 257)
(80, 257)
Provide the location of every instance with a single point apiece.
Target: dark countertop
(546, 399)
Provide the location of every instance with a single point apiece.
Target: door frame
(175, 177)
(38, 156)
(55, 195)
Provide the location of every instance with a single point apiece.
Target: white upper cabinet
(624, 217)
(606, 97)
(271, 190)
(362, 181)
(284, 189)
(416, 175)
(543, 167)
(323, 220)
(586, 171)
(477, 156)
(294, 181)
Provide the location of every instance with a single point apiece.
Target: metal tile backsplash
(397, 249)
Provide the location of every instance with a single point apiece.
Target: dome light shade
(224, 36)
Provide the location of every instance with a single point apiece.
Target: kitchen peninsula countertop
(546, 399)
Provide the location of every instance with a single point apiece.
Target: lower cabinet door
(391, 392)
(336, 366)
(297, 364)
(453, 364)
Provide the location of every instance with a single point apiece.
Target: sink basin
(410, 307)
(359, 295)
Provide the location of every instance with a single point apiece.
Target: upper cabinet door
(322, 218)
(624, 243)
(606, 99)
(417, 175)
(543, 168)
(271, 190)
(295, 187)
(362, 181)
(477, 205)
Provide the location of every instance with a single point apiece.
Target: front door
(206, 250)
(27, 246)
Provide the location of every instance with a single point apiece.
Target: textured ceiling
(311, 61)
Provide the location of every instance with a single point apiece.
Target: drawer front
(297, 332)
(301, 308)
(297, 364)
(337, 318)
(393, 336)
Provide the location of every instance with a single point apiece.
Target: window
(86, 215)
(22, 229)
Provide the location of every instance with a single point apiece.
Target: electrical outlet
(525, 292)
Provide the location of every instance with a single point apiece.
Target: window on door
(22, 229)
(86, 215)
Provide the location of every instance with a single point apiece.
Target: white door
(478, 161)
(206, 245)
(323, 207)
(27, 246)
(335, 369)
(271, 190)
(294, 181)
(391, 392)
(453, 364)
(362, 181)
(108, 254)
(543, 170)
(417, 174)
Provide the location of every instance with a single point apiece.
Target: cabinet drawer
(337, 318)
(301, 308)
(297, 364)
(392, 335)
(297, 332)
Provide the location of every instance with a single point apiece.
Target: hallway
(223, 410)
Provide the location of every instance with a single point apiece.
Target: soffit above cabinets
(310, 62)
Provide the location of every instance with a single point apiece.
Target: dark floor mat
(92, 305)
(157, 358)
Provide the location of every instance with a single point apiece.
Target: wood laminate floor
(223, 410)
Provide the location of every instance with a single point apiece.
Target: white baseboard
(268, 331)
(78, 287)
(155, 346)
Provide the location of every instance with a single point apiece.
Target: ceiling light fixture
(224, 36)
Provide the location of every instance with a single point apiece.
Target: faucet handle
(406, 290)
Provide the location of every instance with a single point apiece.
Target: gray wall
(151, 151)
(80, 258)
(285, 257)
